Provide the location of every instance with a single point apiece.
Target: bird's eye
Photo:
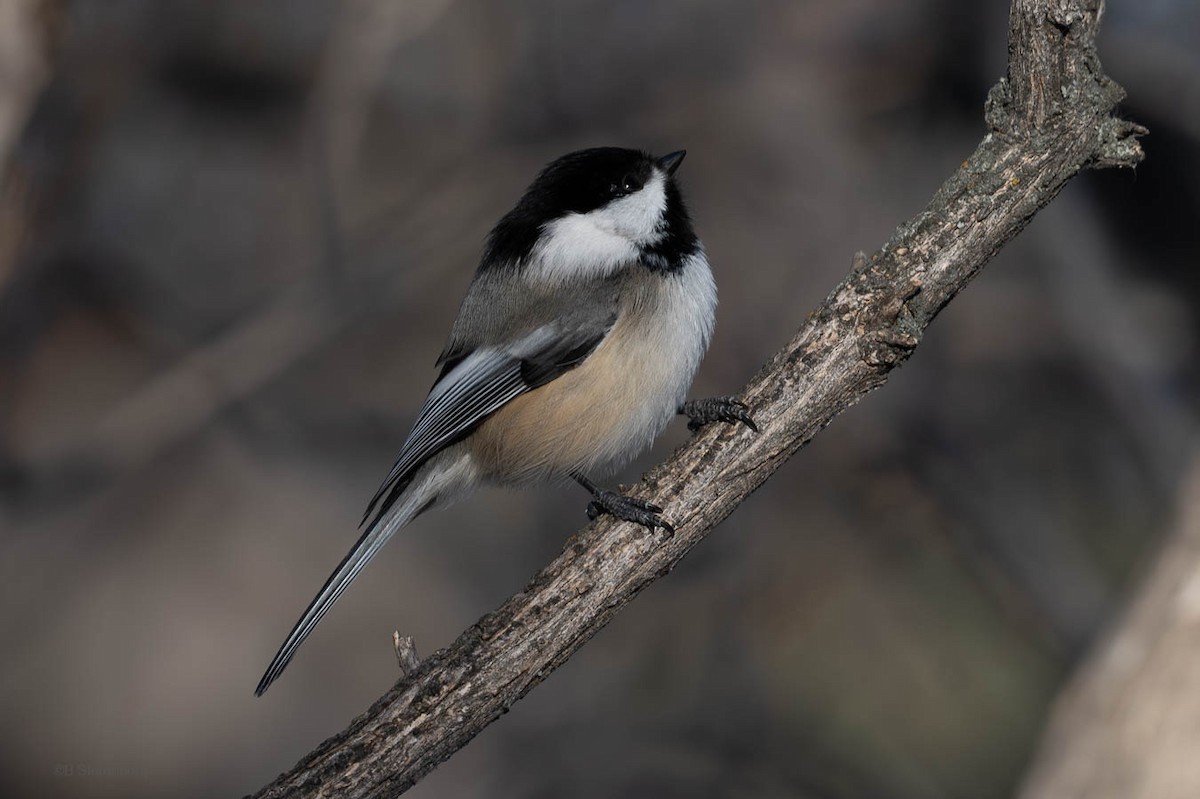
(630, 184)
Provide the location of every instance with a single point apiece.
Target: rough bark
(1049, 118)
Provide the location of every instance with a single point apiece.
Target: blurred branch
(1128, 725)
(26, 35)
(185, 397)
(1124, 357)
(1049, 118)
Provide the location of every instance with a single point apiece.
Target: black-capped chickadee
(574, 347)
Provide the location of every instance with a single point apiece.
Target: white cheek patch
(600, 242)
(638, 216)
(575, 247)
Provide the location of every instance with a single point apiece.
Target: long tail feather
(440, 478)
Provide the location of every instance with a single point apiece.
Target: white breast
(662, 348)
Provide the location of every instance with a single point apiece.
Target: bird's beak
(671, 161)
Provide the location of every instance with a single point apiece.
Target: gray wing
(500, 307)
(513, 346)
(474, 388)
(476, 384)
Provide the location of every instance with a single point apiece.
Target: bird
(574, 347)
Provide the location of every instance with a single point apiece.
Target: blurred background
(233, 236)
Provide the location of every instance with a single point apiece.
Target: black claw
(717, 409)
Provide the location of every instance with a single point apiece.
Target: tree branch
(1050, 117)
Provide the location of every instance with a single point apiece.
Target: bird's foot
(717, 409)
(628, 509)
